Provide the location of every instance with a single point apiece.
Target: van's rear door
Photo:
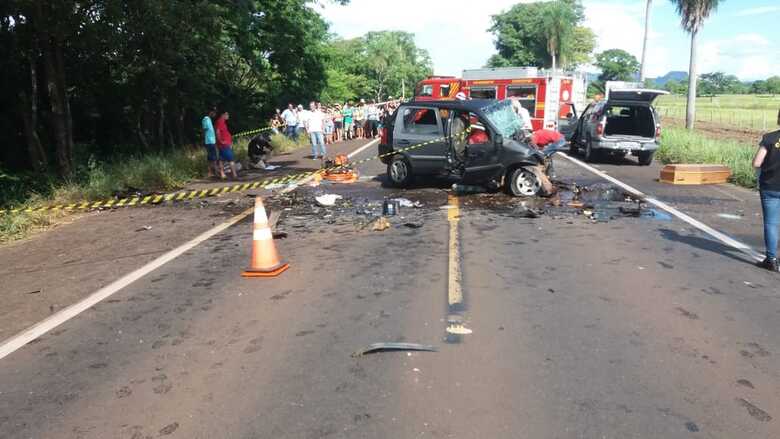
(416, 125)
(635, 95)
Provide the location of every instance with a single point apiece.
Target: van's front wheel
(524, 183)
(646, 158)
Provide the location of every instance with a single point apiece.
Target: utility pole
(642, 69)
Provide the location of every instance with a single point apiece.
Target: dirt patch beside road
(718, 132)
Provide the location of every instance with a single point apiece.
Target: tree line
(109, 77)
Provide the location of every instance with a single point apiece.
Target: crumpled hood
(514, 147)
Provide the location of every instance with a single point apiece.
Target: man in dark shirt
(767, 161)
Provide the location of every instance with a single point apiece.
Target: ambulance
(552, 99)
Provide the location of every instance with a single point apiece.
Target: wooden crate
(695, 174)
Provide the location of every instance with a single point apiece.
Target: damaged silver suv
(476, 141)
(623, 123)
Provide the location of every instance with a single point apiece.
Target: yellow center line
(454, 292)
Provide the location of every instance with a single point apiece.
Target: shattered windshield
(503, 117)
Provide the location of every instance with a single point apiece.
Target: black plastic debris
(385, 347)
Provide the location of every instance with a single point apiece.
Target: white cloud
(749, 56)
(761, 10)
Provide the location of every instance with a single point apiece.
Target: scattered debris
(464, 189)
(383, 347)
(390, 207)
(458, 330)
(271, 167)
(413, 225)
(144, 229)
(405, 202)
(381, 224)
(730, 216)
(576, 204)
(328, 199)
(633, 211)
(34, 292)
(279, 235)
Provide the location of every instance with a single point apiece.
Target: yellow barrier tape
(192, 194)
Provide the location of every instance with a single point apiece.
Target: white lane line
(16, 342)
(362, 148)
(19, 340)
(725, 239)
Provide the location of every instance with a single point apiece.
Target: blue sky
(740, 38)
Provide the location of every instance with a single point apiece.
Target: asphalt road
(618, 328)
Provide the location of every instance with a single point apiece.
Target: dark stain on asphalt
(98, 365)
(754, 411)
(124, 392)
(692, 427)
(745, 383)
(281, 295)
(205, 283)
(712, 291)
(304, 333)
(158, 344)
(685, 313)
(168, 429)
(254, 345)
(665, 265)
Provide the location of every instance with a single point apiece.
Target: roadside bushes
(679, 145)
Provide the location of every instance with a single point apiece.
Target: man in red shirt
(225, 144)
(540, 139)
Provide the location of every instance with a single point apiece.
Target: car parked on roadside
(474, 141)
(624, 123)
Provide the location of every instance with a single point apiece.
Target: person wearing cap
(767, 163)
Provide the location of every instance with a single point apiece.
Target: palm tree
(644, 42)
(556, 20)
(692, 15)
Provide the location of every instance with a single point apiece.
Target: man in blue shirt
(210, 142)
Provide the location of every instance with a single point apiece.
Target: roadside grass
(678, 145)
(155, 172)
(757, 112)
(282, 144)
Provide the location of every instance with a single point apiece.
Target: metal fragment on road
(382, 347)
(458, 330)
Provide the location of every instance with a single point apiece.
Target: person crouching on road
(315, 123)
(210, 142)
(225, 145)
(258, 149)
(767, 162)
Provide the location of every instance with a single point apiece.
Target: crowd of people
(328, 124)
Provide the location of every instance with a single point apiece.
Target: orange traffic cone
(265, 259)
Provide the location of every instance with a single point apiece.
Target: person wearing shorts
(210, 142)
(329, 127)
(338, 123)
(225, 144)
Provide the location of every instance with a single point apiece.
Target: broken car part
(382, 347)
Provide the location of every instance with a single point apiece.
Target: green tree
(773, 85)
(617, 65)
(716, 83)
(531, 34)
(692, 15)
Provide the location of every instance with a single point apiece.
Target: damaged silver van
(624, 123)
(475, 141)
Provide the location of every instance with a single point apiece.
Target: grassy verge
(678, 145)
(157, 172)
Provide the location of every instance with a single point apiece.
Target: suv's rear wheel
(524, 183)
(399, 171)
(646, 158)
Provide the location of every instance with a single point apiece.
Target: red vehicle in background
(552, 100)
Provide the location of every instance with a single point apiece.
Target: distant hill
(676, 76)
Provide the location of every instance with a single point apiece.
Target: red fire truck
(551, 100)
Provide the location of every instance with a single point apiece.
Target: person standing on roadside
(373, 120)
(210, 142)
(360, 119)
(767, 162)
(225, 144)
(347, 113)
(290, 121)
(315, 123)
(303, 116)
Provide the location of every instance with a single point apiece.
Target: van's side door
(419, 124)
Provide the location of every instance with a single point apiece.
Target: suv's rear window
(420, 121)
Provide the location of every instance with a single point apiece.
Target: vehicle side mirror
(498, 140)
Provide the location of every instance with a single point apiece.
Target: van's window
(630, 120)
(503, 117)
(483, 92)
(525, 94)
(420, 121)
(425, 90)
(444, 90)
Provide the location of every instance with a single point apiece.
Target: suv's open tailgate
(638, 95)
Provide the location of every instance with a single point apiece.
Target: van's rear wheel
(646, 158)
(524, 183)
(399, 171)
